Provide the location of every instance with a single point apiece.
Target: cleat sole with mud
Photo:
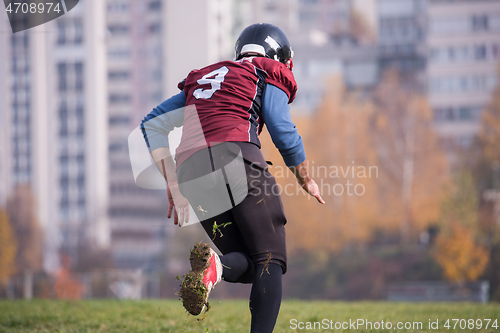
(193, 292)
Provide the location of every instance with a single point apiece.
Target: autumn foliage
(460, 257)
(378, 165)
(8, 248)
(21, 208)
(383, 145)
(412, 163)
(67, 286)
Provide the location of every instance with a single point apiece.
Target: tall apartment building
(401, 37)
(24, 115)
(80, 62)
(301, 19)
(464, 52)
(54, 136)
(321, 37)
(134, 44)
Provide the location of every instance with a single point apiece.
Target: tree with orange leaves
(460, 257)
(8, 247)
(341, 153)
(21, 209)
(389, 143)
(458, 248)
(67, 286)
(413, 167)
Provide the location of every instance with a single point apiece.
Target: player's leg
(260, 218)
(265, 298)
(206, 196)
(236, 263)
(256, 232)
(255, 238)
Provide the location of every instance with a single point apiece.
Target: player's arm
(276, 114)
(155, 127)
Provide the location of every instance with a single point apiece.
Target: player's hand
(312, 188)
(177, 204)
(306, 182)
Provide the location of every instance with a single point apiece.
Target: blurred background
(398, 105)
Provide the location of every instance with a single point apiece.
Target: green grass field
(230, 316)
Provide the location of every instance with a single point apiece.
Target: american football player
(223, 108)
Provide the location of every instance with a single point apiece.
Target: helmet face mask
(266, 40)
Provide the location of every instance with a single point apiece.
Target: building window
(117, 7)
(63, 131)
(80, 159)
(480, 23)
(465, 113)
(115, 147)
(19, 41)
(119, 120)
(119, 98)
(61, 32)
(64, 182)
(63, 110)
(155, 5)
(449, 115)
(463, 84)
(63, 119)
(64, 168)
(79, 76)
(78, 24)
(81, 181)
(118, 75)
(480, 52)
(461, 113)
(119, 54)
(70, 31)
(81, 194)
(79, 108)
(80, 128)
(155, 28)
(61, 72)
(118, 29)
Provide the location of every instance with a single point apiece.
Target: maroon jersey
(227, 96)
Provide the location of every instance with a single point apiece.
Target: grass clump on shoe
(205, 273)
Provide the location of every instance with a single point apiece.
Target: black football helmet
(266, 40)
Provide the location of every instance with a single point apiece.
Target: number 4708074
(470, 324)
(32, 8)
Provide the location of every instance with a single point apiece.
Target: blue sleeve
(161, 121)
(276, 114)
